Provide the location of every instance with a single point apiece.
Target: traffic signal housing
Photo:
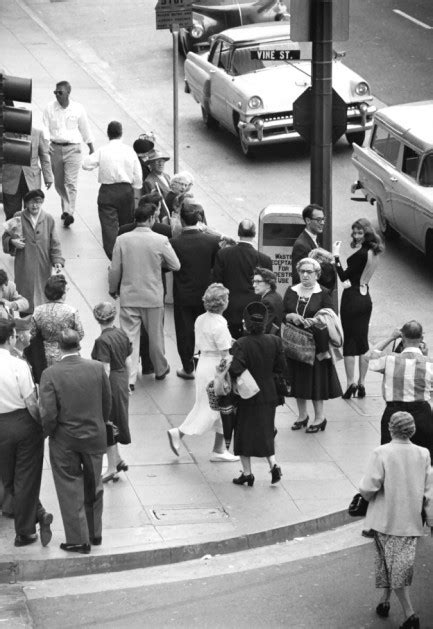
(14, 120)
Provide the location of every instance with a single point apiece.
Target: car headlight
(362, 89)
(197, 30)
(255, 102)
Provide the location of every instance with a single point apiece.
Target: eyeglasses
(319, 220)
(306, 272)
(259, 282)
(59, 92)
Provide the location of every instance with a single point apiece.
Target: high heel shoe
(317, 427)
(244, 478)
(300, 423)
(122, 467)
(382, 610)
(276, 474)
(411, 623)
(361, 390)
(350, 392)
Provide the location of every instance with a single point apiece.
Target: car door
(404, 192)
(219, 82)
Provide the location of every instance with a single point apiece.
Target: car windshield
(255, 57)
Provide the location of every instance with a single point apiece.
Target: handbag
(245, 385)
(222, 379)
(299, 344)
(281, 385)
(358, 506)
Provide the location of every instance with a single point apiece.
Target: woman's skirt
(355, 312)
(394, 560)
(317, 382)
(120, 404)
(202, 418)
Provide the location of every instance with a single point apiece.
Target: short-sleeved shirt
(16, 383)
(212, 333)
(407, 377)
(113, 347)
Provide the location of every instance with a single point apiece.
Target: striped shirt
(407, 377)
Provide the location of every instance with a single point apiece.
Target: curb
(35, 569)
(13, 607)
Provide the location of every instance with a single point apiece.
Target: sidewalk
(167, 509)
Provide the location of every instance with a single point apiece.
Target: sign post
(173, 15)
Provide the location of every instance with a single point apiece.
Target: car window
(385, 144)
(215, 54)
(411, 160)
(426, 175)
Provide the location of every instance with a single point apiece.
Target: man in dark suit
(234, 267)
(75, 403)
(196, 251)
(314, 219)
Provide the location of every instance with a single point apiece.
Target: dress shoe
(367, 533)
(147, 371)
(382, 609)
(276, 474)
(350, 391)
(174, 440)
(162, 376)
(25, 540)
(224, 457)
(361, 390)
(300, 423)
(96, 541)
(63, 216)
(181, 373)
(411, 623)
(44, 528)
(316, 427)
(68, 220)
(244, 478)
(122, 467)
(83, 549)
(131, 388)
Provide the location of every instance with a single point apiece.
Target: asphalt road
(332, 591)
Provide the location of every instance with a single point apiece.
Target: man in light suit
(18, 180)
(75, 404)
(135, 275)
(314, 219)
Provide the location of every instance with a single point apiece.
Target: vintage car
(210, 17)
(252, 75)
(395, 170)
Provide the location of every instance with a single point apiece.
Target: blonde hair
(215, 298)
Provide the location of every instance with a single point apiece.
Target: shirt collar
(412, 350)
(312, 236)
(298, 288)
(68, 355)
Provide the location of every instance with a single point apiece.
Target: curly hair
(316, 266)
(215, 298)
(55, 287)
(372, 240)
(104, 312)
(267, 276)
(402, 424)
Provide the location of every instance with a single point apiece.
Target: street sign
(169, 12)
(303, 115)
(301, 13)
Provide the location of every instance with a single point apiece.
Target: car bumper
(279, 128)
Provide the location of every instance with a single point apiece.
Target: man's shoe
(174, 440)
(162, 376)
(63, 215)
(224, 457)
(96, 541)
(25, 540)
(367, 533)
(83, 549)
(68, 220)
(44, 528)
(5, 514)
(181, 373)
(147, 371)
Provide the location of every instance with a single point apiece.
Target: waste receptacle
(279, 227)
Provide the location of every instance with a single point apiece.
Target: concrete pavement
(166, 509)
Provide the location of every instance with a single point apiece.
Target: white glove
(336, 248)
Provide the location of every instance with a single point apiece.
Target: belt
(64, 143)
(406, 403)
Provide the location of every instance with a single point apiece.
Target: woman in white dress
(213, 341)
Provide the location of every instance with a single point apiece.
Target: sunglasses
(59, 92)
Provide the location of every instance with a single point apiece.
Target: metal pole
(175, 33)
(321, 141)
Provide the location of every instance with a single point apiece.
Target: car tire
(385, 228)
(208, 119)
(429, 247)
(357, 137)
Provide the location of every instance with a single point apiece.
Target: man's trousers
(184, 320)
(77, 478)
(13, 203)
(21, 459)
(423, 417)
(66, 164)
(115, 208)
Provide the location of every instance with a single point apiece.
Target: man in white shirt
(21, 439)
(66, 126)
(119, 173)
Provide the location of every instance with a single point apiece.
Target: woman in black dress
(265, 287)
(317, 382)
(113, 348)
(262, 354)
(356, 305)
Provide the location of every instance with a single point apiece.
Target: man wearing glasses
(66, 126)
(314, 219)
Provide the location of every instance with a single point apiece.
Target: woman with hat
(142, 146)
(398, 486)
(36, 250)
(263, 356)
(113, 348)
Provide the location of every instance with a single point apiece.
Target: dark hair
(372, 240)
(308, 210)
(189, 214)
(69, 340)
(255, 327)
(114, 130)
(152, 197)
(3, 277)
(412, 330)
(145, 211)
(246, 229)
(64, 84)
(188, 204)
(55, 287)
(7, 327)
(268, 276)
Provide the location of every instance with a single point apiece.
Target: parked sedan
(210, 17)
(251, 77)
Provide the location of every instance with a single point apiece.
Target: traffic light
(14, 120)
